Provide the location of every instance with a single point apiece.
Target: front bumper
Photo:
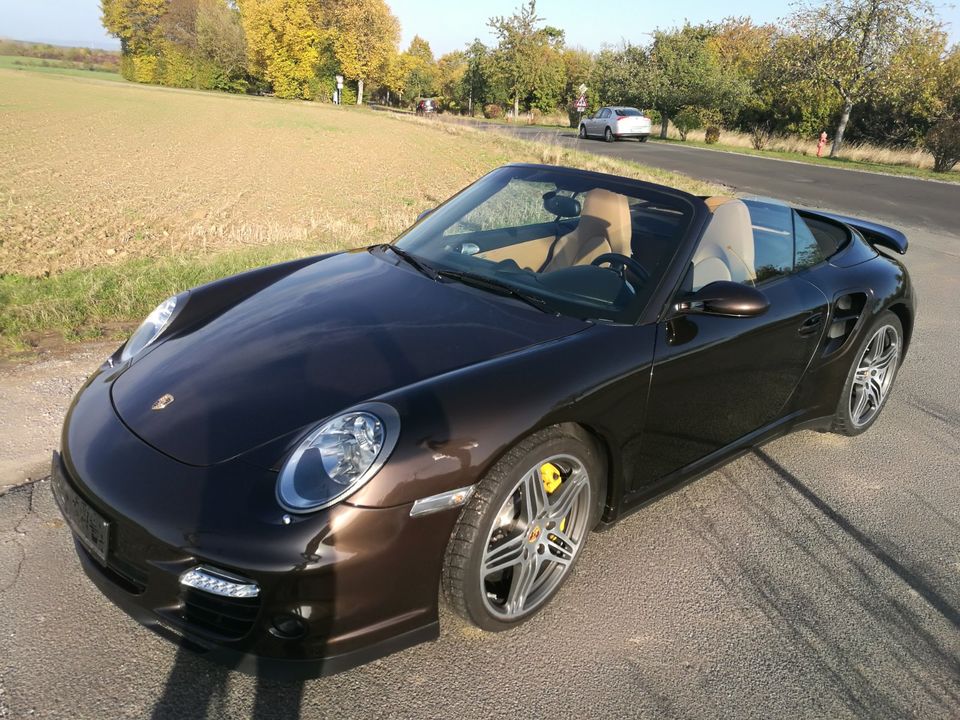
(358, 582)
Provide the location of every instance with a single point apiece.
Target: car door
(592, 122)
(597, 122)
(604, 121)
(718, 379)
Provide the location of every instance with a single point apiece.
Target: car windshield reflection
(582, 245)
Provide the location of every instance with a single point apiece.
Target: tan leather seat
(604, 227)
(726, 249)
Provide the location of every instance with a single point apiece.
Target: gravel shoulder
(34, 397)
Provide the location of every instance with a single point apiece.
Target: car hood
(315, 342)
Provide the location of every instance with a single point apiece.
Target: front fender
(456, 426)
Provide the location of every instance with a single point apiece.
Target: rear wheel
(608, 135)
(524, 528)
(583, 132)
(643, 138)
(871, 376)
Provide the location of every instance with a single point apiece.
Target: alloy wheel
(874, 375)
(535, 537)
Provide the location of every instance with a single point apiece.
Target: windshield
(592, 247)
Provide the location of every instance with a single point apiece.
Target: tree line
(879, 71)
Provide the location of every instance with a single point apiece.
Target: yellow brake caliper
(552, 479)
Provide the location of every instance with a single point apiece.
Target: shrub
(760, 134)
(943, 142)
(492, 111)
(712, 135)
(144, 68)
(686, 120)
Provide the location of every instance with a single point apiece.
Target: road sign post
(581, 104)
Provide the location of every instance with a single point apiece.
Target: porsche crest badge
(162, 402)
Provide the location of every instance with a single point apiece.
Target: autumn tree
(365, 33)
(422, 72)
(222, 43)
(450, 71)
(854, 44)
(137, 24)
(285, 39)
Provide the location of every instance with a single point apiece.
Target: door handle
(811, 324)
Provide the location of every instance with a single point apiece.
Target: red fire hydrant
(822, 143)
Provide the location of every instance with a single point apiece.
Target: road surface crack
(18, 533)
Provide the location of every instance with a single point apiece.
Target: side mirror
(426, 212)
(725, 298)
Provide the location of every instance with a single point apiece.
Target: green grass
(82, 304)
(845, 163)
(55, 67)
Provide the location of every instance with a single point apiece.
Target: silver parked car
(615, 123)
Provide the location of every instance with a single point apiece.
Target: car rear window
(628, 112)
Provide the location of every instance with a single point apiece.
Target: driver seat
(604, 227)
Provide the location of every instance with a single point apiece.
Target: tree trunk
(359, 92)
(470, 104)
(516, 107)
(841, 128)
(664, 125)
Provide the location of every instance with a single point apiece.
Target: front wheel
(583, 132)
(608, 135)
(871, 376)
(524, 528)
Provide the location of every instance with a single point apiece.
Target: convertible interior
(604, 250)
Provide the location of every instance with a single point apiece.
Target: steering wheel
(618, 263)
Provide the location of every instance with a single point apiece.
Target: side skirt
(695, 470)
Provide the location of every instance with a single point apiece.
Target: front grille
(230, 618)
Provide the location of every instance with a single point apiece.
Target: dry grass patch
(863, 153)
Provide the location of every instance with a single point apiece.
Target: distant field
(115, 195)
(56, 67)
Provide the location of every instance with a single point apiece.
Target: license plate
(90, 527)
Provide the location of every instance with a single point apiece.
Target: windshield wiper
(493, 285)
(411, 260)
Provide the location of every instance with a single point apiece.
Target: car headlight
(150, 328)
(338, 457)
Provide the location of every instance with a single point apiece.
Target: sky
(445, 25)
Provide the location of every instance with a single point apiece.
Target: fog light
(219, 582)
(288, 627)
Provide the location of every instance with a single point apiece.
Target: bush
(686, 120)
(760, 134)
(712, 135)
(492, 111)
(943, 142)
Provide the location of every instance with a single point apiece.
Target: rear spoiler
(873, 233)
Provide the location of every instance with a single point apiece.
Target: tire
(583, 132)
(608, 135)
(643, 138)
(514, 548)
(871, 376)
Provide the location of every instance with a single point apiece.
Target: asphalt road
(818, 577)
(899, 200)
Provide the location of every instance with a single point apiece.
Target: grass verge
(88, 303)
(56, 67)
(838, 162)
